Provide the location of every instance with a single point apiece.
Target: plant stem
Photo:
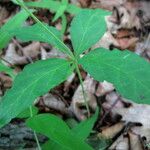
(67, 50)
(35, 135)
(83, 90)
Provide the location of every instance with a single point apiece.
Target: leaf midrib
(26, 89)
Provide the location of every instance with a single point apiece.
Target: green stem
(83, 90)
(68, 51)
(35, 135)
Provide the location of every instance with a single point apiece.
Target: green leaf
(83, 129)
(27, 112)
(87, 28)
(52, 145)
(64, 24)
(38, 33)
(15, 2)
(12, 23)
(7, 70)
(61, 10)
(73, 9)
(129, 73)
(57, 130)
(53, 5)
(35, 80)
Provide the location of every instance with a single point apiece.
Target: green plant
(59, 8)
(13, 23)
(120, 68)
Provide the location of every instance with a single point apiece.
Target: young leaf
(129, 73)
(84, 128)
(53, 6)
(87, 28)
(7, 70)
(35, 80)
(27, 112)
(57, 130)
(12, 23)
(61, 10)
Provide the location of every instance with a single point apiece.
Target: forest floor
(121, 123)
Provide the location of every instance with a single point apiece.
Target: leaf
(53, 5)
(12, 23)
(73, 9)
(64, 24)
(87, 28)
(38, 33)
(83, 129)
(52, 145)
(7, 70)
(61, 10)
(27, 112)
(15, 2)
(127, 71)
(35, 80)
(57, 130)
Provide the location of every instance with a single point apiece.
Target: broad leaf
(53, 5)
(27, 112)
(87, 28)
(7, 70)
(129, 73)
(12, 23)
(38, 33)
(52, 145)
(57, 130)
(35, 80)
(83, 129)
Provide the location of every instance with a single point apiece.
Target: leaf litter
(126, 123)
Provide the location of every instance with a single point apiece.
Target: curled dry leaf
(104, 88)
(106, 4)
(22, 55)
(135, 119)
(85, 3)
(78, 99)
(12, 57)
(92, 88)
(128, 30)
(109, 132)
(5, 83)
(3, 14)
(51, 54)
(68, 82)
(121, 143)
(52, 102)
(32, 50)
